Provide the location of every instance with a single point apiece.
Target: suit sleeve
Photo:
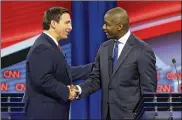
(41, 73)
(93, 83)
(147, 70)
(81, 72)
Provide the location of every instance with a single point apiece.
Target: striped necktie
(115, 53)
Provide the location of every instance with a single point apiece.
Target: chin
(109, 37)
(64, 38)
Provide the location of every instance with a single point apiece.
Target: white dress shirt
(122, 42)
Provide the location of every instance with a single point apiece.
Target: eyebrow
(69, 21)
(107, 22)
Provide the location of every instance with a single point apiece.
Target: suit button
(110, 88)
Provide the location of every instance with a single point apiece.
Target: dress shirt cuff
(79, 89)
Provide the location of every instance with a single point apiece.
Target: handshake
(73, 92)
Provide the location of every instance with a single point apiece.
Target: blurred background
(157, 23)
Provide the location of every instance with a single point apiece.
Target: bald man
(124, 68)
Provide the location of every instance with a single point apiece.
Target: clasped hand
(73, 90)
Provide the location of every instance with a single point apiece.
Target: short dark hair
(53, 13)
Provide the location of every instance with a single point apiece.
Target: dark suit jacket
(122, 87)
(47, 77)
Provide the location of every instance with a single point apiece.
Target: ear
(53, 24)
(120, 27)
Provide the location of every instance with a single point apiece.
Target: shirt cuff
(79, 89)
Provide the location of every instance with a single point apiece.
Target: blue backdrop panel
(86, 37)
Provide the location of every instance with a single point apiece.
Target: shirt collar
(124, 39)
(56, 42)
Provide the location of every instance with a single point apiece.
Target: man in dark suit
(48, 74)
(124, 68)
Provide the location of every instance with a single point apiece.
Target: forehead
(107, 18)
(65, 17)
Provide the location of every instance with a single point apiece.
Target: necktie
(115, 54)
(59, 47)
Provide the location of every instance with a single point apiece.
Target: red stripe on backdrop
(159, 30)
(145, 11)
(22, 20)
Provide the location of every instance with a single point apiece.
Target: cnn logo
(11, 74)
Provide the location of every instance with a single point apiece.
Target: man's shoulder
(39, 47)
(106, 43)
(141, 43)
(41, 43)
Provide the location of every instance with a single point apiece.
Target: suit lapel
(107, 58)
(109, 53)
(51, 42)
(126, 50)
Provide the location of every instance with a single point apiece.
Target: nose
(104, 27)
(70, 27)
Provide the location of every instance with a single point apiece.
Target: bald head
(118, 15)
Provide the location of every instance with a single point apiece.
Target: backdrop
(156, 23)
